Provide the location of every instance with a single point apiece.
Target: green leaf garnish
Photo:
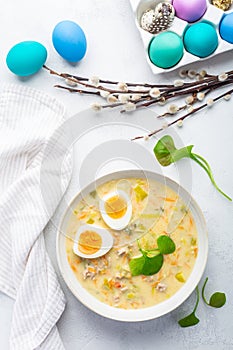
(144, 265)
(166, 245)
(151, 261)
(218, 299)
(191, 320)
(152, 265)
(136, 265)
(166, 153)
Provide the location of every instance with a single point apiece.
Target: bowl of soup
(132, 245)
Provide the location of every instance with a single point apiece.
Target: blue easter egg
(201, 39)
(26, 58)
(69, 41)
(226, 28)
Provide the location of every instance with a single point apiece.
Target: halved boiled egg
(92, 242)
(116, 209)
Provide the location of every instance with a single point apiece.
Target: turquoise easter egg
(226, 28)
(69, 41)
(166, 50)
(200, 39)
(26, 58)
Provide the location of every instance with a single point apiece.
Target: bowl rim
(141, 314)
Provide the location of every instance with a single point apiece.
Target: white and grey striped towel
(28, 119)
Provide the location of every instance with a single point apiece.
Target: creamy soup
(156, 210)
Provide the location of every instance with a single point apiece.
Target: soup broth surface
(157, 210)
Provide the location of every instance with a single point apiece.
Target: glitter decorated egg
(226, 28)
(166, 49)
(69, 41)
(26, 58)
(222, 4)
(190, 10)
(200, 39)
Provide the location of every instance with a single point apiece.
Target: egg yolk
(89, 242)
(115, 207)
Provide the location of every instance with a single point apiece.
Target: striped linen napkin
(28, 119)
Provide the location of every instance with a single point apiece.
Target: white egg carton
(212, 14)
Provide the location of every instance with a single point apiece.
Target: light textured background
(115, 51)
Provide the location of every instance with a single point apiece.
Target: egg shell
(189, 10)
(26, 58)
(107, 241)
(69, 41)
(226, 28)
(166, 49)
(201, 39)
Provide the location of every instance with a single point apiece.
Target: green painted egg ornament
(166, 49)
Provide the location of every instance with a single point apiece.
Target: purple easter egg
(189, 10)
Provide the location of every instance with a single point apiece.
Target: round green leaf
(167, 153)
(163, 150)
(152, 265)
(166, 245)
(218, 299)
(189, 321)
(136, 265)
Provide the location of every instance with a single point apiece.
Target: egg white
(107, 241)
(121, 223)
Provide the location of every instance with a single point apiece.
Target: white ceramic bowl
(142, 314)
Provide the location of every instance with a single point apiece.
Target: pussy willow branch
(91, 86)
(207, 89)
(197, 85)
(141, 95)
(152, 133)
(102, 81)
(80, 91)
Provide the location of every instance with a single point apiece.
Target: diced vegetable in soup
(124, 277)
